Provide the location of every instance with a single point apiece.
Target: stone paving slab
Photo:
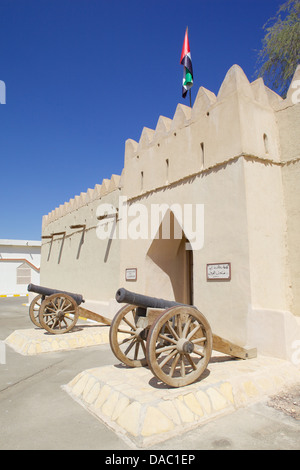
(37, 341)
(144, 411)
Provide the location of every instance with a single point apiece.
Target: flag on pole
(186, 61)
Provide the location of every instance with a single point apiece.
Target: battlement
(231, 165)
(92, 194)
(240, 120)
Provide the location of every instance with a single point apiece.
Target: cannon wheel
(125, 340)
(58, 313)
(179, 346)
(34, 310)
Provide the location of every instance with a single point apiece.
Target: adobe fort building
(225, 174)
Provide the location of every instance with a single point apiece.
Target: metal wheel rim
(124, 340)
(58, 313)
(178, 352)
(34, 310)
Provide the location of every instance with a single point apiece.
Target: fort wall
(237, 156)
(73, 258)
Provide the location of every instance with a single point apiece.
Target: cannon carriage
(174, 340)
(58, 311)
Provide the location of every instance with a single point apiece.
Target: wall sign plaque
(131, 274)
(218, 272)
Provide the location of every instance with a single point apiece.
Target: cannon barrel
(125, 296)
(47, 291)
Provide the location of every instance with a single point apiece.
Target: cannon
(46, 292)
(58, 311)
(143, 301)
(174, 340)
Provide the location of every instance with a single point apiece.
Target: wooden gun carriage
(174, 340)
(58, 311)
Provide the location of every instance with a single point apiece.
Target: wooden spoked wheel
(179, 346)
(58, 313)
(125, 338)
(34, 310)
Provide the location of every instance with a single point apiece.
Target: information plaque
(131, 274)
(218, 272)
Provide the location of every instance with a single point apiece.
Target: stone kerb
(35, 341)
(144, 412)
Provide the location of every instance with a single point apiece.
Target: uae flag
(186, 61)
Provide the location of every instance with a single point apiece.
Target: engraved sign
(218, 272)
(131, 274)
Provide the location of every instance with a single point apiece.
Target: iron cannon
(58, 311)
(174, 340)
(46, 292)
(143, 301)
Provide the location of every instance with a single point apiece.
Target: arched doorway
(169, 264)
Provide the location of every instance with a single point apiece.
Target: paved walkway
(144, 411)
(81, 398)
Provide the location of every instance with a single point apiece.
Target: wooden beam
(84, 313)
(226, 347)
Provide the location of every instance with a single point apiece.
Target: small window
(266, 143)
(142, 180)
(202, 154)
(167, 170)
(23, 274)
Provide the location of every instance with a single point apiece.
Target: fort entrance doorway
(169, 263)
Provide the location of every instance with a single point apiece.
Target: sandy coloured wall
(78, 261)
(237, 156)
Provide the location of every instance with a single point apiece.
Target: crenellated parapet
(226, 172)
(92, 194)
(242, 119)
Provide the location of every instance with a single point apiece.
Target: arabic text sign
(218, 272)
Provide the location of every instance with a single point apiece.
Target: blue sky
(82, 76)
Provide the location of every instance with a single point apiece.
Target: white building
(19, 266)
